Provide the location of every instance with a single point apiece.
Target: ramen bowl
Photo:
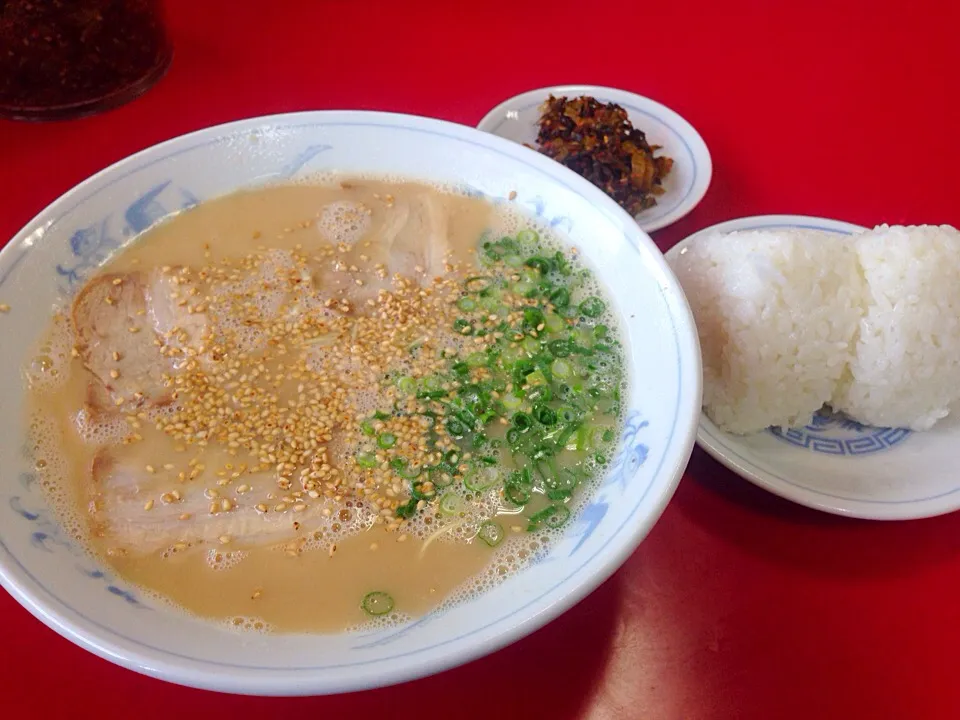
(57, 581)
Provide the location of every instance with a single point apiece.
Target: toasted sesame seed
(4, 308)
(225, 539)
(148, 505)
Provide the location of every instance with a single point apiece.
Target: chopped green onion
(463, 327)
(450, 503)
(440, 477)
(524, 287)
(560, 298)
(555, 323)
(491, 533)
(553, 517)
(516, 494)
(377, 603)
(476, 359)
(592, 307)
(540, 393)
(522, 422)
(513, 261)
(480, 479)
(561, 368)
(530, 345)
(512, 401)
(533, 319)
(456, 428)
(607, 435)
(467, 304)
(387, 440)
(407, 385)
(541, 264)
(559, 348)
(410, 472)
(544, 415)
(527, 236)
(378, 415)
(366, 427)
(408, 509)
(366, 460)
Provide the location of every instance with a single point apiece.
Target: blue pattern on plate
(836, 434)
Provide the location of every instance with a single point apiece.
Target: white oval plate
(516, 119)
(833, 464)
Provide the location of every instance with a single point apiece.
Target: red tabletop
(739, 604)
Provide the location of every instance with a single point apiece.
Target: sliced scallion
(377, 603)
(491, 533)
(366, 460)
(593, 307)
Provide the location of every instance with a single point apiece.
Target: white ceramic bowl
(84, 602)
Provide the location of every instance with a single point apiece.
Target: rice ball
(777, 313)
(905, 368)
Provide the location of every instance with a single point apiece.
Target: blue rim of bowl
(248, 679)
(702, 174)
(718, 445)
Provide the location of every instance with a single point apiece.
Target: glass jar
(62, 59)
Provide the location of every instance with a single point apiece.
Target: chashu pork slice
(119, 320)
(143, 511)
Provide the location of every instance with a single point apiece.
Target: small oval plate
(516, 119)
(834, 464)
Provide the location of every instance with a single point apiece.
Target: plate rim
(708, 433)
(698, 147)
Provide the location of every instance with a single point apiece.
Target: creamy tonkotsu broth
(309, 407)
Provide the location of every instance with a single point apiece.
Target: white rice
(906, 368)
(792, 320)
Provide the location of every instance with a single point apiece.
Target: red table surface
(738, 604)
